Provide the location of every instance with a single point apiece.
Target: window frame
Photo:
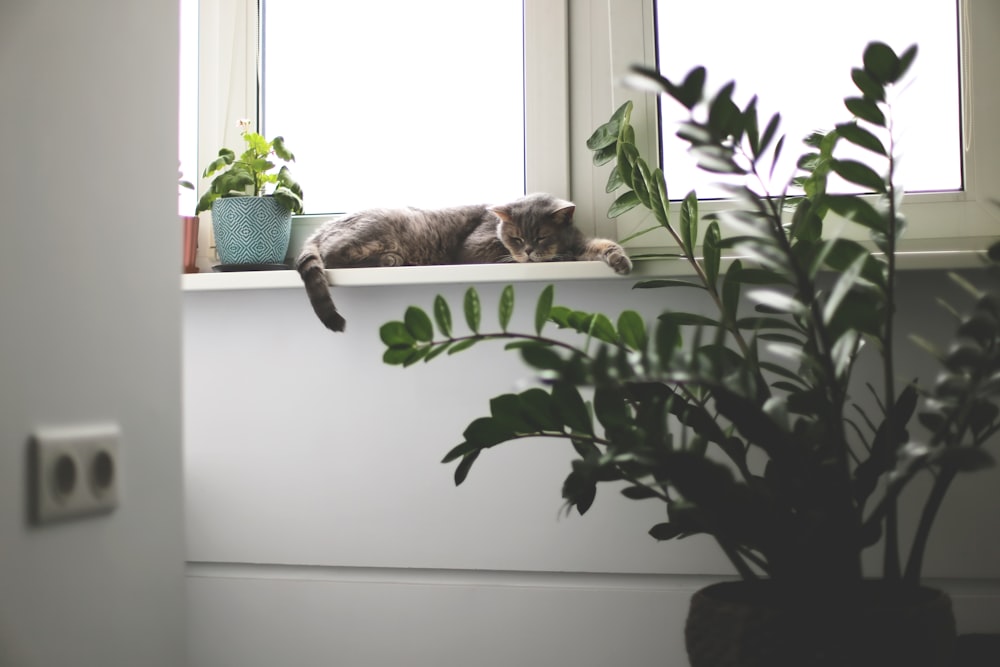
(572, 85)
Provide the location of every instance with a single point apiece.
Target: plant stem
(915, 563)
(891, 562)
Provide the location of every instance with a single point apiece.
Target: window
(397, 103)
(570, 86)
(805, 74)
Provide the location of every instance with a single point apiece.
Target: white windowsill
(494, 273)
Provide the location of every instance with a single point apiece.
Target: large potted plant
(741, 423)
(251, 203)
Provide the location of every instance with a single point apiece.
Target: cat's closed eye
(517, 239)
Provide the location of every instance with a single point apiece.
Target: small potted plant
(251, 203)
(742, 423)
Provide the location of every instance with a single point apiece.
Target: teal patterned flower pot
(251, 230)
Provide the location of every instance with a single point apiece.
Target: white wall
(89, 324)
(322, 528)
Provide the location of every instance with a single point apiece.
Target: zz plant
(673, 411)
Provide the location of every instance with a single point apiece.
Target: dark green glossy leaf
(579, 491)
(605, 155)
(541, 356)
(615, 180)
(666, 282)
(859, 136)
(418, 324)
(639, 492)
(857, 209)
(437, 350)
(459, 450)
(689, 222)
(395, 334)
(712, 253)
(462, 470)
(668, 339)
(906, 60)
(632, 330)
(487, 431)
(623, 204)
(442, 315)
(665, 531)
(543, 308)
(398, 356)
(859, 173)
(681, 319)
(506, 410)
(462, 345)
(605, 135)
(865, 109)
(538, 407)
(610, 407)
(731, 290)
(571, 408)
(881, 63)
(473, 312)
(506, 306)
(867, 85)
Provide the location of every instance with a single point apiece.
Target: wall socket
(74, 471)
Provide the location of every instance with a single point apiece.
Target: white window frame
(572, 85)
(946, 229)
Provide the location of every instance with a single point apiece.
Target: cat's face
(536, 228)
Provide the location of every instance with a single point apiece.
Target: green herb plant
(745, 424)
(252, 174)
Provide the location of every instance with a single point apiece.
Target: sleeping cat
(535, 228)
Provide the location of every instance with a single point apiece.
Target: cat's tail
(310, 267)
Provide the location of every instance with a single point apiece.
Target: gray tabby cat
(535, 228)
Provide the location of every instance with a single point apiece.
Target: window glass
(797, 58)
(397, 102)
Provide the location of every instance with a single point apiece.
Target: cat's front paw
(618, 260)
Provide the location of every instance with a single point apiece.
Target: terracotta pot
(190, 223)
(748, 624)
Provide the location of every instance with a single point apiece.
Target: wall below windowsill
(967, 256)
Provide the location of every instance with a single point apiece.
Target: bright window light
(397, 102)
(797, 58)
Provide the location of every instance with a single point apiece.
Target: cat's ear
(564, 213)
(502, 212)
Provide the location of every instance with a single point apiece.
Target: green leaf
(604, 136)
(681, 319)
(506, 409)
(666, 282)
(638, 492)
(543, 308)
(459, 450)
(859, 136)
(571, 408)
(623, 204)
(859, 173)
(462, 470)
(731, 290)
(906, 60)
(668, 339)
(462, 345)
(615, 180)
(605, 155)
(473, 312)
(867, 85)
(881, 63)
(418, 324)
(506, 306)
(541, 356)
(665, 531)
(778, 301)
(538, 407)
(610, 407)
(442, 315)
(632, 330)
(689, 222)
(398, 356)
(396, 334)
(437, 351)
(712, 252)
(865, 109)
(486, 432)
(857, 209)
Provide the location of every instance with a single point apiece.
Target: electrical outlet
(75, 471)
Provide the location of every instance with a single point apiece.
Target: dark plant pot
(750, 624)
(190, 223)
(250, 230)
